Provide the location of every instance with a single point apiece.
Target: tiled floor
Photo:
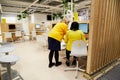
(33, 63)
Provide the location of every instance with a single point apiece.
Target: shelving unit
(5, 28)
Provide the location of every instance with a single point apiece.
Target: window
(84, 27)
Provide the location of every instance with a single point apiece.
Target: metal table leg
(9, 71)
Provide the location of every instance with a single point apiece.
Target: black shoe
(58, 63)
(51, 64)
(74, 62)
(67, 63)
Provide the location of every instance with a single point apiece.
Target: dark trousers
(68, 55)
(56, 55)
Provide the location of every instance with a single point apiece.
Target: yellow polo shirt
(58, 31)
(72, 36)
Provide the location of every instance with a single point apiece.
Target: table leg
(9, 71)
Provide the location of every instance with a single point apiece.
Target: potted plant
(19, 17)
(23, 15)
(57, 15)
(66, 5)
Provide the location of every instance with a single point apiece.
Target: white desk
(63, 45)
(6, 48)
(8, 60)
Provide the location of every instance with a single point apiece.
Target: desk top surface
(7, 47)
(8, 58)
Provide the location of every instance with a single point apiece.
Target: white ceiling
(38, 6)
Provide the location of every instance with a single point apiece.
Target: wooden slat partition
(104, 34)
(0, 68)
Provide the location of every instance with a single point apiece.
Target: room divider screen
(104, 34)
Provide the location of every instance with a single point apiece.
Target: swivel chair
(79, 49)
(18, 34)
(34, 35)
(7, 35)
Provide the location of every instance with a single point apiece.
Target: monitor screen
(49, 17)
(37, 26)
(12, 26)
(84, 27)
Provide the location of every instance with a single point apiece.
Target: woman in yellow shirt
(55, 37)
(73, 34)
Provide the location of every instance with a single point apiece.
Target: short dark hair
(74, 26)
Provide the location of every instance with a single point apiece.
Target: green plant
(57, 15)
(60, 15)
(66, 6)
(23, 15)
(19, 17)
(54, 16)
(65, 3)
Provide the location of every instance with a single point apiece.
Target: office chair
(33, 35)
(79, 49)
(18, 34)
(7, 35)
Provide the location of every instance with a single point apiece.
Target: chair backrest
(39, 38)
(33, 33)
(45, 36)
(7, 35)
(79, 48)
(18, 34)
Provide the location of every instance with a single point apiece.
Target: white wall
(10, 18)
(39, 18)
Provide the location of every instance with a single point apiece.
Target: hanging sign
(75, 16)
(3, 20)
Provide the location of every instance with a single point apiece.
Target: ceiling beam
(35, 6)
(30, 5)
(20, 3)
(82, 4)
(10, 13)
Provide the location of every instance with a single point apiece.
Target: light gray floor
(33, 63)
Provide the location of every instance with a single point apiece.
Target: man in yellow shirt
(73, 34)
(55, 37)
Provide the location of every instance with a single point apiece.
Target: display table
(6, 48)
(8, 60)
